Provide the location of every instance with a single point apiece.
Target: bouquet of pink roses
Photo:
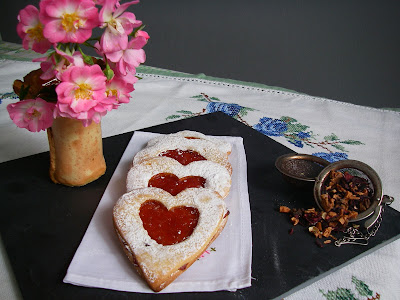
(69, 82)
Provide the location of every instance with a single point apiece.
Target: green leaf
(296, 127)
(186, 112)
(339, 147)
(352, 142)
(173, 117)
(214, 99)
(288, 119)
(339, 294)
(197, 97)
(332, 137)
(361, 287)
(243, 111)
(133, 33)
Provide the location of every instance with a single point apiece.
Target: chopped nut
(327, 241)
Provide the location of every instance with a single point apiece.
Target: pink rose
(32, 114)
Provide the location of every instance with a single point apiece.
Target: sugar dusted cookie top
(209, 150)
(216, 176)
(196, 137)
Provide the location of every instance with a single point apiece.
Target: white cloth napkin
(226, 265)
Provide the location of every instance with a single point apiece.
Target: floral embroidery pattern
(213, 105)
(331, 146)
(208, 251)
(341, 293)
(11, 95)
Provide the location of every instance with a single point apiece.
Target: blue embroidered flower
(271, 127)
(231, 109)
(297, 143)
(332, 157)
(303, 135)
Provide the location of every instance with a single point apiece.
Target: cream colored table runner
(326, 128)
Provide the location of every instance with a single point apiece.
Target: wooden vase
(76, 152)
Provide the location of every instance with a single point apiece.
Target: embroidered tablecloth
(322, 127)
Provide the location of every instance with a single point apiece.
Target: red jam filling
(174, 185)
(184, 157)
(168, 227)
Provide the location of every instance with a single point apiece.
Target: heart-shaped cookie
(159, 265)
(223, 146)
(205, 148)
(216, 176)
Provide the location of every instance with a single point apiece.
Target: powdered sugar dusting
(217, 177)
(223, 146)
(155, 258)
(209, 150)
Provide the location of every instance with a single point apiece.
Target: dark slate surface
(43, 223)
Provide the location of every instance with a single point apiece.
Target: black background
(342, 50)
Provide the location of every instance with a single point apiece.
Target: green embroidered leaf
(361, 287)
(173, 117)
(332, 137)
(197, 97)
(184, 112)
(339, 294)
(352, 142)
(296, 127)
(339, 147)
(214, 99)
(288, 119)
(243, 111)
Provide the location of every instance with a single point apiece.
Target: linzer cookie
(173, 209)
(186, 149)
(223, 146)
(170, 175)
(163, 235)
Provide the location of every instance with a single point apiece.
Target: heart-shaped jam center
(168, 227)
(184, 157)
(174, 185)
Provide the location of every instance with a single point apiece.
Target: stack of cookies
(174, 206)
